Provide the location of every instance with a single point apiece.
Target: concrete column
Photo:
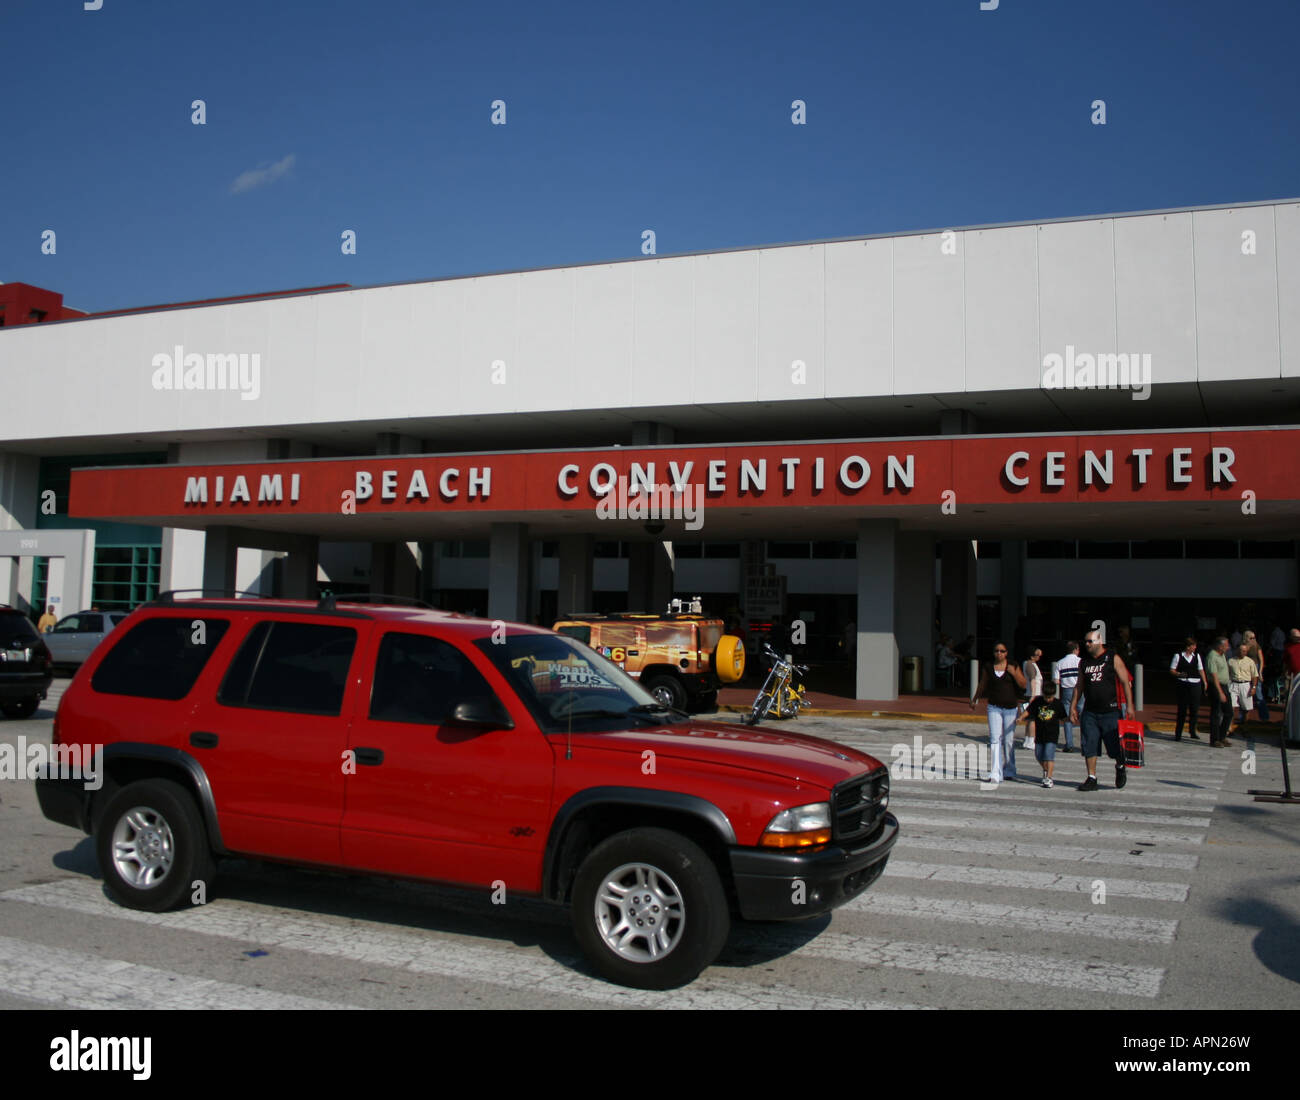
(914, 606)
(220, 555)
(394, 568)
(9, 581)
(182, 559)
(1013, 603)
(298, 579)
(650, 576)
(877, 673)
(575, 575)
(508, 563)
(957, 584)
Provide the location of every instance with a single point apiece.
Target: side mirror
(480, 713)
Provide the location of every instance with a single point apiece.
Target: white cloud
(260, 177)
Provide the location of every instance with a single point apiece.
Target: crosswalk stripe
(1062, 853)
(1055, 810)
(992, 822)
(1044, 921)
(443, 956)
(1035, 880)
(74, 979)
(1112, 979)
(1193, 802)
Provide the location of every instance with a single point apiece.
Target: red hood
(789, 755)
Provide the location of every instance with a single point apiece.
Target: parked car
(680, 659)
(25, 665)
(423, 744)
(75, 637)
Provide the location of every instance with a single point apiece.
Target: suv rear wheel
(667, 690)
(24, 708)
(152, 846)
(649, 910)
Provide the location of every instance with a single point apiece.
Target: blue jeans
(1002, 742)
(1067, 697)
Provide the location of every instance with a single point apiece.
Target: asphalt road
(1178, 892)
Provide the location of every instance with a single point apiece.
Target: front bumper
(768, 882)
(63, 800)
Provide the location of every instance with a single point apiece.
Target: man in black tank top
(1099, 672)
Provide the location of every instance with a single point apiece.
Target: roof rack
(169, 597)
(329, 600)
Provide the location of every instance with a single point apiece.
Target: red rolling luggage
(1132, 737)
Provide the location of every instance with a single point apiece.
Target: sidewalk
(955, 707)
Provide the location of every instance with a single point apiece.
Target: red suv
(416, 743)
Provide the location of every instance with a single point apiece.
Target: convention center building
(969, 431)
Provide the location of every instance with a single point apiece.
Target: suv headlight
(799, 827)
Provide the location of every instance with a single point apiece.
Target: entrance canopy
(1241, 483)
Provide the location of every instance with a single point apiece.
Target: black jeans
(1220, 714)
(1189, 699)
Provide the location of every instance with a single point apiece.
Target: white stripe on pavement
(1061, 796)
(74, 979)
(1112, 979)
(442, 955)
(1064, 853)
(992, 822)
(1036, 880)
(1055, 810)
(1031, 919)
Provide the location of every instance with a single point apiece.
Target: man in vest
(1098, 674)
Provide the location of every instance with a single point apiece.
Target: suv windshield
(562, 682)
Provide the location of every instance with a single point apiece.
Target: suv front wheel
(152, 846)
(649, 910)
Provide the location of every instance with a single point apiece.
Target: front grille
(858, 806)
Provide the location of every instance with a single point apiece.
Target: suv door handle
(369, 756)
(202, 739)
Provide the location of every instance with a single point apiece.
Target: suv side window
(302, 667)
(158, 658)
(422, 679)
(70, 625)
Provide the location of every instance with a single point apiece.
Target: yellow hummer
(679, 657)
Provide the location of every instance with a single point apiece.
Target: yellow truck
(680, 658)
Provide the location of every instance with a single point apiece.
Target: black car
(26, 667)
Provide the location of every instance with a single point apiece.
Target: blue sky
(670, 116)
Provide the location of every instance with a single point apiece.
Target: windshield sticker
(564, 675)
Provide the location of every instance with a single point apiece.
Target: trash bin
(913, 674)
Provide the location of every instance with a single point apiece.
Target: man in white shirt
(1065, 675)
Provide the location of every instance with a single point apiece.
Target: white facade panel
(437, 330)
(1288, 286)
(600, 375)
(1236, 295)
(294, 353)
(791, 323)
(546, 338)
(390, 374)
(489, 364)
(663, 346)
(1001, 308)
(859, 319)
(1155, 286)
(1076, 288)
(726, 328)
(335, 376)
(929, 321)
